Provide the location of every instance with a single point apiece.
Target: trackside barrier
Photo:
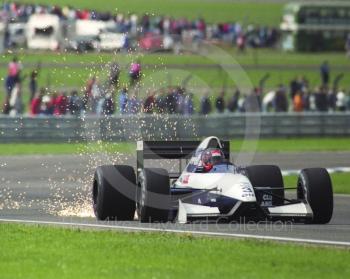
(171, 127)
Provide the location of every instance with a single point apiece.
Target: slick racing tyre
(113, 192)
(267, 176)
(153, 195)
(315, 186)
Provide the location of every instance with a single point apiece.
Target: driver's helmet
(211, 157)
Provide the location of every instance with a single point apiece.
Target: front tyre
(315, 186)
(153, 195)
(113, 192)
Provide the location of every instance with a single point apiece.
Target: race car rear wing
(159, 150)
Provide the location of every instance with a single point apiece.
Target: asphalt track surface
(57, 189)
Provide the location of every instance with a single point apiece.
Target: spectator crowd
(137, 26)
(108, 97)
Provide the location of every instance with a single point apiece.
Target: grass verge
(340, 181)
(256, 12)
(262, 57)
(64, 148)
(47, 252)
(263, 145)
(294, 145)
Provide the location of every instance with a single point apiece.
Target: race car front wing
(293, 210)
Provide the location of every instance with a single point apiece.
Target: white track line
(330, 170)
(203, 233)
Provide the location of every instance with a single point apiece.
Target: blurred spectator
(188, 104)
(145, 23)
(75, 103)
(180, 99)
(35, 106)
(298, 102)
(149, 104)
(123, 100)
(88, 92)
(295, 86)
(281, 101)
(61, 104)
(341, 102)
(95, 95)
(321, 99)
(233, 103)
(15, 102)
(299, 83)
(161, 101)
(201, 27)
(332, 100)
(205, 104)
(135, 72)
(171, 101)
(47, 104)
(114, 75)
(33, 83)
(133, 105)
(241, 42)
(306, 100)
(325, 73)
(108, 107)
(305, 84)
(258, 95)
(268, 101)
(251, 102)
(13, 75)
(220, 102)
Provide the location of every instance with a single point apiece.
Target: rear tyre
(113, 192)
(153, 195)
(267, 176)
(315, 186)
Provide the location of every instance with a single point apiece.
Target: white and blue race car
(208, 187)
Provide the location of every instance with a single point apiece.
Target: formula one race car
(209, 187)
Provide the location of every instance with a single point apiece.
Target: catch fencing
(172, 127)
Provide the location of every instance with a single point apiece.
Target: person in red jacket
(61, 104)
(35, 105)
